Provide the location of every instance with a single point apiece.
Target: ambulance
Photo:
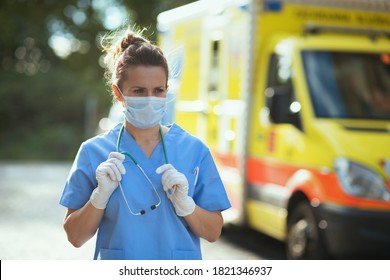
(293, 100)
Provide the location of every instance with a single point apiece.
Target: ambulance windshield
(349, 85)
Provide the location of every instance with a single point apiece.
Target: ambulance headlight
(360, 181)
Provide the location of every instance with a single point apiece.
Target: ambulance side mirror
(281, 108)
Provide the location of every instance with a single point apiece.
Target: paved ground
(31, 218)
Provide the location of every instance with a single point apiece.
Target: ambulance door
(224, 54)
(278, 137)
(211, 91)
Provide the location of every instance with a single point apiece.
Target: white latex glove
(176, 186)
(108, 175)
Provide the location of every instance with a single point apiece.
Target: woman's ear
(117, 93)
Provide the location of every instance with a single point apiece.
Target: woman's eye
(139, 91)
(159, 90)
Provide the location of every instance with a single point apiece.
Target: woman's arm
(81, 225)
(205, 224)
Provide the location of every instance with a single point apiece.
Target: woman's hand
(176, 186)
(108, 175)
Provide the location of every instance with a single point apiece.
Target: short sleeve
(209, 190)
(80, 182)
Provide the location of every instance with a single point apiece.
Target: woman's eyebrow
(142, 87)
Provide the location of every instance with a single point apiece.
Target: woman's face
(145, 81)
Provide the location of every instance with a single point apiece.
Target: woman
(150, 191)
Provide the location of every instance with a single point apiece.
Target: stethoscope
(154, 206)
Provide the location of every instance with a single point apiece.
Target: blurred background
(52, 89)
(52, 96)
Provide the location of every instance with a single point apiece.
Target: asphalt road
(31, 221)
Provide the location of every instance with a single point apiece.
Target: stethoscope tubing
(154, 206)
(129, 155)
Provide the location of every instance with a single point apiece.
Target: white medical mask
(144, 112)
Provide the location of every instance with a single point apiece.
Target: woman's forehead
(145, 75)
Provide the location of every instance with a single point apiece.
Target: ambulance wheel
(303, 239)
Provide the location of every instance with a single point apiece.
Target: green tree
(52, 89)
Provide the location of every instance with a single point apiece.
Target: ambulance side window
(279, 93)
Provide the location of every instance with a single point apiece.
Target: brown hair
(129, 48)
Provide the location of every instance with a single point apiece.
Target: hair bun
(131, 39)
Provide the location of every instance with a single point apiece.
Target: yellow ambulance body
(293, 99)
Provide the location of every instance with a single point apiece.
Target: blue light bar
(273, 5)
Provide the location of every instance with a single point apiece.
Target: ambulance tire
(303, 239)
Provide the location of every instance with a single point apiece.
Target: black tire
(303, 236)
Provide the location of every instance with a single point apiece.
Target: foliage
(53, 100)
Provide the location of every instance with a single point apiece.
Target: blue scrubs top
(159, 233)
